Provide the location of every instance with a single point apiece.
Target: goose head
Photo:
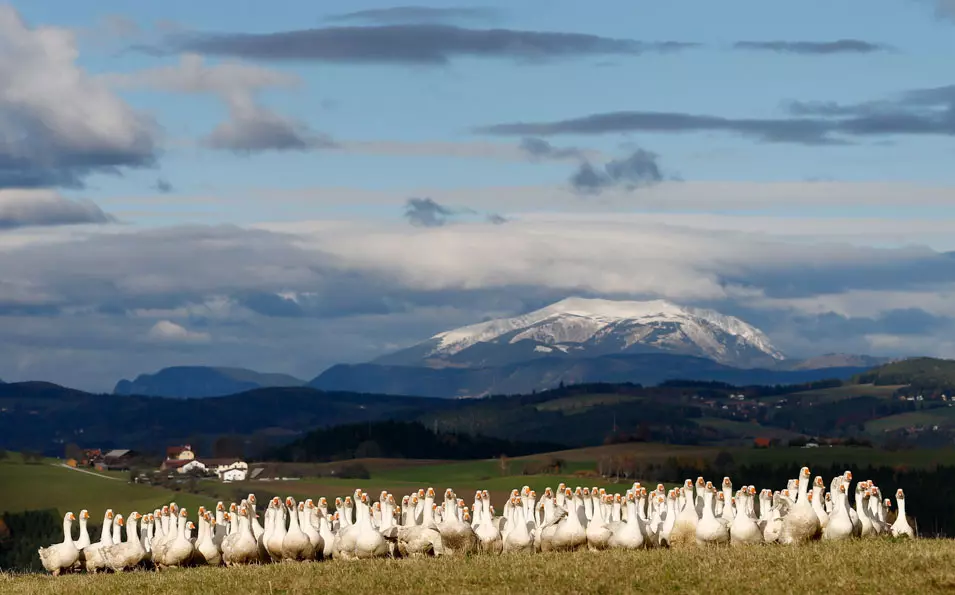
(899, 494)
(708, 486)
(183, 513)
(118, 521)
(309, 504)
(220, 506)
(727, 483)
(165, 510)
(700, 483)
(251, 499)
(586, 492)
(688, 484)
(887, 503)
(818, 483)
(69, 517)
(109, 513)
(84, 514)
(233, 507)
(227, 517)
(430, 493)
(290, 503)
(201, 511)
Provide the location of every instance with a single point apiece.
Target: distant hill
(920, 372)
(549, 372)
(837, 360)
(202, 381)
(43, 417)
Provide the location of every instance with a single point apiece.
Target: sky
(285, 186)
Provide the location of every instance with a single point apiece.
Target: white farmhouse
(234, 471)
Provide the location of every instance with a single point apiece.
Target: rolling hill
(550, 372)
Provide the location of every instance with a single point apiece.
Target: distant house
(762, 442)
(181, 453)
(117, 460)
(234, 471)
(183, 466)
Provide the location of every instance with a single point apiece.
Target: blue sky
(742, 155)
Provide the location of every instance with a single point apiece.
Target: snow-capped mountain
(580, 327)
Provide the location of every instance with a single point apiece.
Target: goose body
(92, 554)
(801, 524)
(128, 554)
(61, 556)
(901, 527)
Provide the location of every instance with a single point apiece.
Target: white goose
(128, 554)
(801, 524)
(840, 523)
(93, 554)
(61, 556)
(630, 534)
(296, 545)
(712, 529)
(743, 528)
(518, 538)
(489, 536)
(901, 527)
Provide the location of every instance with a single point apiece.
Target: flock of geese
(561, 520)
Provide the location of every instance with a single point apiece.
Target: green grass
(874, 566)
(942, 416)
(34, 487)
(849, 391)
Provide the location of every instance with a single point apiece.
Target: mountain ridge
(586, 327)
(202, 381)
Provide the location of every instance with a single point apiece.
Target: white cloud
(166, 331)
(58, 124)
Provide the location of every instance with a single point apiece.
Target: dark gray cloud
(46, 140)
(419, 14)
(25, 208)
(496, 219)
(908, 321)
(803, 131)
(408, 44)
(163, 185)
(840, 46)
(425, 212)
(638, 169)
(916, 112)
(538, 148)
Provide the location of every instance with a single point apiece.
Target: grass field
(871, 566)
(849, 391)
(34, 487)
(944, 417)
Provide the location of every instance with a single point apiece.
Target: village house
(180, 453)
(118, 459)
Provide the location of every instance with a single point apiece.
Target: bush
(353, 471)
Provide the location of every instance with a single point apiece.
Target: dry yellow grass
(872, 566)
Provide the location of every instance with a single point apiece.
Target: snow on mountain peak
(656, 323)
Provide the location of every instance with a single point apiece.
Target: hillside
(44, 416)
(919, 372)
(201, 381)
(401, 440)
(549, 372)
